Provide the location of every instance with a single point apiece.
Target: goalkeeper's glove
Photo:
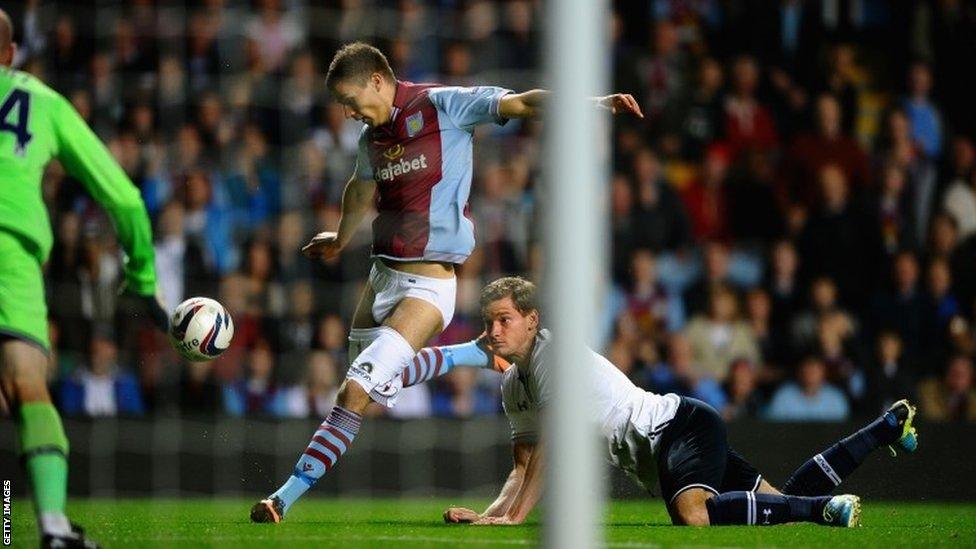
(149, 306)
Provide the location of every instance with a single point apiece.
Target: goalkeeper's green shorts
(23, 311)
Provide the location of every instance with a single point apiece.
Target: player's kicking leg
(826, 470)
(374, 375)
(43, 444)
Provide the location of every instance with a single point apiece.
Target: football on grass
(200, 329)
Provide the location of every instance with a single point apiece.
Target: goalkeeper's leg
(43, 444)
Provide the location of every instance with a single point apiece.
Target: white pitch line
(400, 539)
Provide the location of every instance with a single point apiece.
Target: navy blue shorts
(695, 453)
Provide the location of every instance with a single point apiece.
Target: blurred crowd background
(793, 224)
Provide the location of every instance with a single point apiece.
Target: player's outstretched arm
(356, 201)
(530, 104)
(85, 157)
(521, 453)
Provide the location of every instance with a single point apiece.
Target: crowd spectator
(953, 397)
(741, 387)
(315, 395)
(811, 153)
(257, 393)
(748, 123)
(681, 374)
(923, 115)
(721, 336)
(834, 242)
(646, 300)
(660, 221)
(706, 197)
(809, 398)
(960, 196)
(104, 388)
(694, 120)
(892, 377)
(903, 308)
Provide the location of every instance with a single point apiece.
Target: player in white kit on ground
(677, 440)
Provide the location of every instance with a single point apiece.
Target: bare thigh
(363, 318)
(416, 320)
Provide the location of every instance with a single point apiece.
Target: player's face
(363, 102)
(510, 332)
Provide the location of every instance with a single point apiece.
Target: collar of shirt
(400, 98)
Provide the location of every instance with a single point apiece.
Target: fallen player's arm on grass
(521, 452)
(521, 493)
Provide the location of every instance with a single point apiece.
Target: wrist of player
(602, 103)
(513, 516)
(138, 283)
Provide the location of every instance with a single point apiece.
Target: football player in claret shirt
(415, 165)
(676, 441)
(37, 125)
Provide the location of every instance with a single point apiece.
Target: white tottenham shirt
(630, 418)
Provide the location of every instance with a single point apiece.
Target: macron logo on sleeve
(403, 166)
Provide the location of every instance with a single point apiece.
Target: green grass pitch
(317, 522)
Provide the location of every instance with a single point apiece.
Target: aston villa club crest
(415, 123)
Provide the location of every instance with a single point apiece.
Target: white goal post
(576, 58)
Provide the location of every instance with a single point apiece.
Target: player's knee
(24, 382)
(691, 516)
(690, 508)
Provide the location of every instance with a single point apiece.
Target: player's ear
(8, 55)
(533, 318)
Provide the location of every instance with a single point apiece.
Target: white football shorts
(392, 286)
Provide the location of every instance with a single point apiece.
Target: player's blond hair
(522, 292)
(356, 62)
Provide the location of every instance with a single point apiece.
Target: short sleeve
(364, 169)
(468, 107)
(542, 382)
(519, 410)
(523, 422)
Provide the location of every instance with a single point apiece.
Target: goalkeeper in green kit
(37, 125)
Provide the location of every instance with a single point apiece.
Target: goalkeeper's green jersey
(37, 124)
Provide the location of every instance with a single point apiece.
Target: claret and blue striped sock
(332, 439)
(432, 362)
